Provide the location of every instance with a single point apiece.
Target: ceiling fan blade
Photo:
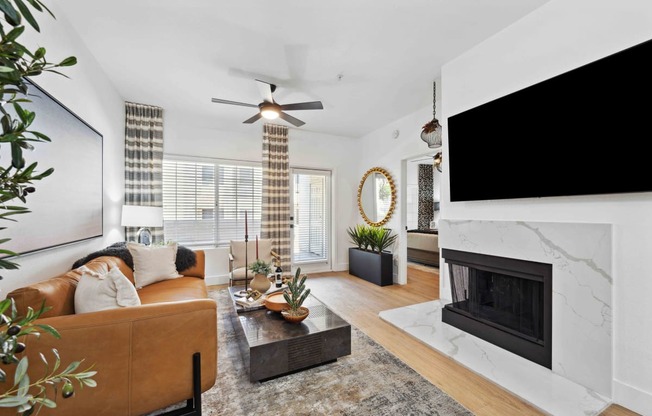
(312, 105)
(220, 101)
(252, 119)
(266, 89)
(292, 120)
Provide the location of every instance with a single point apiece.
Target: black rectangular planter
(372, 267)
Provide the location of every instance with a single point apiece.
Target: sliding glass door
(311, 217)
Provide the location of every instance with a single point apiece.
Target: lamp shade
(141, 216)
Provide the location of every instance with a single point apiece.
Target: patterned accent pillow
(97, 292)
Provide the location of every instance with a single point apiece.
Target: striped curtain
(275, 221)
(143, 161)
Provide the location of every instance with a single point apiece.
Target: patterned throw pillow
(97, 292)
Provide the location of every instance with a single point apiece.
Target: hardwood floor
(359, 302)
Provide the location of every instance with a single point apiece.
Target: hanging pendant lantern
(431, 132)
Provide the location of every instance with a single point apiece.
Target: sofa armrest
(138, 353)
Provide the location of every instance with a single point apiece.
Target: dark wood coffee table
(277, 347)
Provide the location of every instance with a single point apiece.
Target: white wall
(90, 95)
(307, 150)
(380, 148)
(559, 36)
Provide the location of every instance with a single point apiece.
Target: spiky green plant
(296, 293)
(357, 235)
(381, 238)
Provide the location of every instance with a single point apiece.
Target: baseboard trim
(341, 267)
(632, 398)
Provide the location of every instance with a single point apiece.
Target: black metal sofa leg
(193, 406)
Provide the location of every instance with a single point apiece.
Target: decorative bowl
(295, 319)
(275, 302)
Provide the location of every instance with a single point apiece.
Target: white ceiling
(179, 54)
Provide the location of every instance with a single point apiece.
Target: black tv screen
(582, 132)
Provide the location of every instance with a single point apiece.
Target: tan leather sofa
(143, 354)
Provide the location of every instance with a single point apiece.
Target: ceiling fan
(270, 109)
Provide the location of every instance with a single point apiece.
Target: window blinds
(204, 202)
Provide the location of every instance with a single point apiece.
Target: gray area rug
(370, 381)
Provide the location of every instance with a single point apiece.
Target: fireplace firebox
(505, 301)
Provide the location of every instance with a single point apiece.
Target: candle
(256, 246)
(246, 228)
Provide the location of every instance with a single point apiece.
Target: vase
(303, 313)
(260, 282)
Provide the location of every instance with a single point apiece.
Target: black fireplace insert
(505, 301)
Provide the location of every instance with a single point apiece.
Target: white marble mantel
(581, 307)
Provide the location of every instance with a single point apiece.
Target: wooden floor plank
(359, 302)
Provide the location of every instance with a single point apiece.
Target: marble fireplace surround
(580, 254)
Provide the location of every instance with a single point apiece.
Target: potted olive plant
(295, 295)
(368, 259)
(19, 388)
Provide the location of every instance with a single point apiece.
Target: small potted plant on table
(295, 295)
(261, 270)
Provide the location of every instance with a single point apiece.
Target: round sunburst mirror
(376, 196)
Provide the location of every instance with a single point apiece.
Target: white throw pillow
(153, 263)
(98, 292)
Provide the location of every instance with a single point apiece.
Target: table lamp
(143, 217)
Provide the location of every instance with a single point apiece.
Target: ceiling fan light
(269, 113)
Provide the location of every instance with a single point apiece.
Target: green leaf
(21, 370)
(43, 6)
(35, 5)
(13, 401)
(27, 14)
(50, 330)
(14, 33)
(40, 135)
(69, 61)
(71, 367)
(57, 363)
(47, 402)
(17, 160)
(43, 175)
(89, 382)
(4, 305)
(8, 265)
(23, 386)
(11, 13)
(7, 69)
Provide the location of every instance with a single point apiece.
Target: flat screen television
(583, 132)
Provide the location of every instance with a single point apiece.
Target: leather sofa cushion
(59, 292)
(199, 270)
(181, 288)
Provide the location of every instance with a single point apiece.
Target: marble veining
(551, 392)
(580, 255)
